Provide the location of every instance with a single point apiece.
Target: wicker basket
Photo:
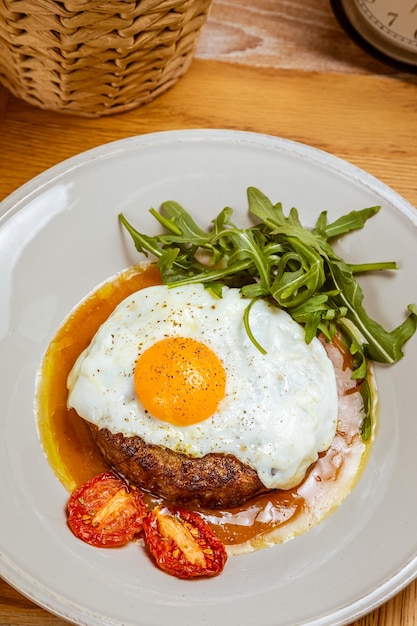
(96, 57)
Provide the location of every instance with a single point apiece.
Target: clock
(386, 29)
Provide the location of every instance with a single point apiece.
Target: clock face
(385, 28)
(394, 19)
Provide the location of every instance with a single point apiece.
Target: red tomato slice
(183, 544)
(106, 511)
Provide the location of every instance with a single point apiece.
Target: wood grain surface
(287, 34)
(270, 66)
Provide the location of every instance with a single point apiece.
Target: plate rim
(108, 149)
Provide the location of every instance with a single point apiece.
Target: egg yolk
(179, 380)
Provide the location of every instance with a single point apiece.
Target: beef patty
(215, 480)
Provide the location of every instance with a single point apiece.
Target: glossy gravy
(266, 519)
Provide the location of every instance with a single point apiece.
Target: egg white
(279, 411)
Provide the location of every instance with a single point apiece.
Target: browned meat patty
(213, 481)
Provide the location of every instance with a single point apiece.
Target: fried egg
(176, 367)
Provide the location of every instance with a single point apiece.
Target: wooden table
(283, 68)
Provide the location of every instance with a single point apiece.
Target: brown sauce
(271, 517)
(66, 438)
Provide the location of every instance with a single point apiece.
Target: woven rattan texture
(96, 57)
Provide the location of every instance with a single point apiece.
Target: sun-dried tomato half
(105, 511)
(183, 544)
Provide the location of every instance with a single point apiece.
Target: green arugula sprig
(294, 267)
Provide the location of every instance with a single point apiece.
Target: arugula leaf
(181, 225)
(277, 258)
(366, 426)
(344, 224)
(379, 345)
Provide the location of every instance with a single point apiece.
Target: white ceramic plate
(59, 238)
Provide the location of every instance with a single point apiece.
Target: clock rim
(338, 7)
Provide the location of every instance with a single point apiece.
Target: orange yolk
(180, 380)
